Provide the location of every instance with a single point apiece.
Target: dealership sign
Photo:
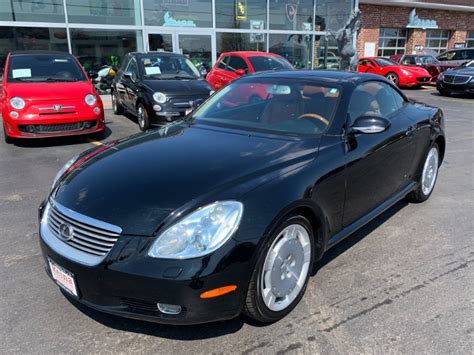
(415, 22)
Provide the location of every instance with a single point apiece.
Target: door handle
(410, 130)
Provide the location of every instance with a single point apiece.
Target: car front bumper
(467, 88)
(36, 126)
(129, 283)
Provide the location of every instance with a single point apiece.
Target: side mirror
(128, 75)
(93, 74)
(240, 72)
(203, 71)
(370, 124)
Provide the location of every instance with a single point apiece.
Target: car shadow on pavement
(60, 141)
(217, 329)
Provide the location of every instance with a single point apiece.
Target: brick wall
(374, 17)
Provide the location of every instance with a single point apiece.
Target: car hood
(414, 69)
(179, 87)
(461, 71)
(50, 91)
(136, 183)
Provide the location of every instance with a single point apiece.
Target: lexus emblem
(66, 232)
(57, 108)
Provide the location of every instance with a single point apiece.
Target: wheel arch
(441, 142)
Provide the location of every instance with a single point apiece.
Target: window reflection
(117, 12)
(296, 15)
(331, 15)
(227, 42)
(296, 48)
(97, 48)
(178, 13)
(32, 11)
(29, 38)
(241, 14)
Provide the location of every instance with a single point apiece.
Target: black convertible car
(227, 210)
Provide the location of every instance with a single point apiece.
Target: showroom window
(104, 12)
(31, 38)
(326, 53)
(296, 48)
(331, 15)
(291, 15)
(470, 39)
(178, 13)
(96, 48)
(437, 40)
(32, 11)
(392, 41)
(247, 14)
(227, 42)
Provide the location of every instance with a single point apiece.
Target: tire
(444, 92)
(393, 77)
(116, 105)
(297, 257)
(429, 175)
(8, 139)
(142, 118)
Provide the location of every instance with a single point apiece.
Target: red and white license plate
(64, 278)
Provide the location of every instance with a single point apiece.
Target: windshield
(263, 63)
(277, 105)
(44, 68)
(426, 59)
(383, 62)
(168, 68)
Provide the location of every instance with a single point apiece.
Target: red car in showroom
(47, 94)
(426, 61)
(400, 75)
(232, 65)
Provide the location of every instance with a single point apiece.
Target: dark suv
(158, 87)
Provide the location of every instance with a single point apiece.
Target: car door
(130, 84)
(119, 86)
(217, 76)
(377, 165)
(235, 63)
(366, 66)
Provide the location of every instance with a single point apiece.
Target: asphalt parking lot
(402, 284)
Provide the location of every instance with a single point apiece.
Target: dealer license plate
(64, 278)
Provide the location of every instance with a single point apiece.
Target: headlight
(211, 92)
(17, 102)
(62, 171)
(440, 76)
(406, 72)
(200, 233)
(159, 97)
(90, 99)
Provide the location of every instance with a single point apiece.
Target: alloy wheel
(430, 171)
(141, 117)
(393, 78)
(286, 267)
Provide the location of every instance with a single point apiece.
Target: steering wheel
(314, 116)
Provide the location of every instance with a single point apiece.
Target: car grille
(139, 305)
(424, 79)
(87, 237)
(187, 102)
(63, 127)
(456, 79)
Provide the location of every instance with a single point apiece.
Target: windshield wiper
(60, 80)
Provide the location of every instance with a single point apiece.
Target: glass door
(160, 42)
(198, 48)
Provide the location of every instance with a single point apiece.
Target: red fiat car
(233, 65)
(46, 94)
(400, 75)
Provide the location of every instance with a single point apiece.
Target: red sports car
(400, 75)
(45, 94)
(233, 65)
(426, 61)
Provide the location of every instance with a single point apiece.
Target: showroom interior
(100, 32)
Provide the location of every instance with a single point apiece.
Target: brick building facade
(384, 31)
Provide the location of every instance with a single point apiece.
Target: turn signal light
(218, 291)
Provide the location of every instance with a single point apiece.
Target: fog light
(157, 108)
(30, 128)
(96, 110)
(169, 308)
(14, 114)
